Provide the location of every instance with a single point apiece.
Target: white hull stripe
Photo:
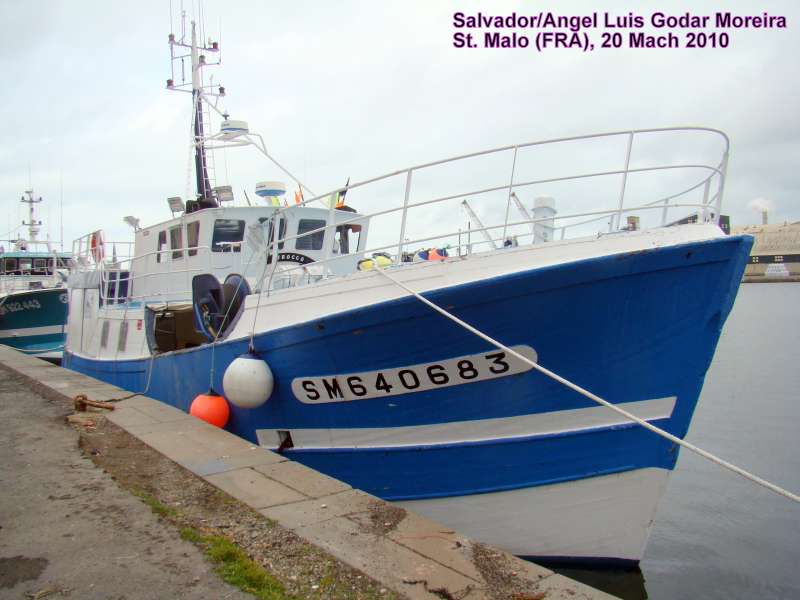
(29, 331)
(555, 422)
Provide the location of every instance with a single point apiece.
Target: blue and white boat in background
(285, 309)
(33, 293)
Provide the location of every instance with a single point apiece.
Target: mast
(33, 224)
(200, 163)
(205, 100)
(61, 207)
(196, 53)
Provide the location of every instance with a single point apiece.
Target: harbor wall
(775, 256)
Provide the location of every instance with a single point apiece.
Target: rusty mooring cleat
(81, 402)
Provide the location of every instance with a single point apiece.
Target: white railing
(697, 195)
(648, 182)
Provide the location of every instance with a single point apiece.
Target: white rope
(598, 399)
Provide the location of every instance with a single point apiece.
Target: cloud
(761, 205)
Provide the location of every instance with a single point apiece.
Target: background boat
(33, 295)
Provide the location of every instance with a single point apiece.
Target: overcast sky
(356, 89)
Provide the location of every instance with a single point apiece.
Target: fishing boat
(341, 354)
(33, 292)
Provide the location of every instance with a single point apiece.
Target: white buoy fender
(248, 381)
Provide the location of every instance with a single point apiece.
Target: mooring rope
(584, 392)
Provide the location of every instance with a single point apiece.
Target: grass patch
(328, 581)
(191, 535)
(231, 563)
(235, 568)
(162, 510)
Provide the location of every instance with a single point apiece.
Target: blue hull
(628, 327)
(34, 322)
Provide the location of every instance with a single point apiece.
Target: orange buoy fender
(211, 408)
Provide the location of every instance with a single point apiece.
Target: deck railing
(689, 190)
(697, 200)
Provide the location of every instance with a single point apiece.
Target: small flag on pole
(340, 200)
(336, 199)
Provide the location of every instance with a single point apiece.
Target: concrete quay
(410, 556)
(67, 530)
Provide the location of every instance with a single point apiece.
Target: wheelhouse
(220, 241)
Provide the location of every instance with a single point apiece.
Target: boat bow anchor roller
(306, 317)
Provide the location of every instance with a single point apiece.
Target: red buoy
(433, 254)
(211, 408)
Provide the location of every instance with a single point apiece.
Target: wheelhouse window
(25, 265)
(355, 237)
(347, 239)
(162, 244)
(40, 266)
(192, 237)
(176, 242)
(313, 241)
(228, 235)
(281, 232)
(10, 265)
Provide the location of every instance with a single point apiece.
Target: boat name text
(415, 378)
(12, 307)
(294, 257)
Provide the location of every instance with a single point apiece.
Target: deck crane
(474, 217)
(523, 211)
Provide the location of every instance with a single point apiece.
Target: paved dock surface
(68, 530)
(52, 487)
